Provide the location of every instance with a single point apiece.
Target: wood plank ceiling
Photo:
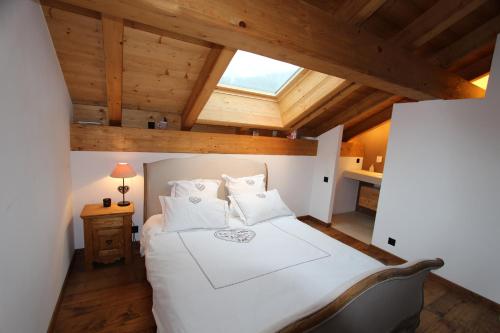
(400, 50)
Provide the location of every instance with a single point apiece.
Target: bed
(288, 277)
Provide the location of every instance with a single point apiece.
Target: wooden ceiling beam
(311, 40)
(356, 12)
(71, 8)
(216, 63)
(112, 30)
(369, 123)
(371, 104)
(435, 20)
(314, 90)
(343, 92)
(128, 23)
(483, 35)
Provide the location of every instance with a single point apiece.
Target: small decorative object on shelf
(151, 123)
(292, 135)
(275, 133)
(255, 133)
(106, 202)
(123, 170)
(163, 124)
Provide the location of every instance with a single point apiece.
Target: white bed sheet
(274, 295)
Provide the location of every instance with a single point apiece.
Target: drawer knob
(109, 242)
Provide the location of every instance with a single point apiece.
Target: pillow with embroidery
(258, 207)
(195, 187)
(192, 212)
(251, 184)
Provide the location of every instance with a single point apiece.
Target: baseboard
(52, 323)
(464, 291)
(432, 276)
(312, 219)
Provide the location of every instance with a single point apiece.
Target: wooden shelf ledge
(109, 138)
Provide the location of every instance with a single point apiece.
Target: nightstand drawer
(107, 222)
(108, 244)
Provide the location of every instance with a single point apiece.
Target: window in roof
(248, 71)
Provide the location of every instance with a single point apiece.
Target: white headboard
(158, 174)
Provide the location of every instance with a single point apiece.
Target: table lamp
(123, 170)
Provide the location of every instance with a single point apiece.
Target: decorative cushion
(251, 184)
(195, 187)
(192, 212)
(258, 207)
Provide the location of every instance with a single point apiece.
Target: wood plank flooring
(118, 298)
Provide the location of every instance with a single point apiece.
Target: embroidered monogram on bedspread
(261, 195)
(235, 235)
(195, 200)
(250, 182)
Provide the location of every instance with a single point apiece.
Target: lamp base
(123, 203)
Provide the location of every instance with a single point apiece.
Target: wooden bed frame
(387, 300)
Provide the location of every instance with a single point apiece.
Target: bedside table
(107, 233)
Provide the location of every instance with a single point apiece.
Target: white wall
(441, 188)
(35, 201)
(291, 175)
(325, 165)
(346, 189)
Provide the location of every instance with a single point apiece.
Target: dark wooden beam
(112, 30)
(367, 124)
(357, 11)
(478, 38)
(369, 105)
(216, 63)
(297, 33)
(442, 15)
(435, 20)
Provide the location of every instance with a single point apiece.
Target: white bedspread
(203, 283)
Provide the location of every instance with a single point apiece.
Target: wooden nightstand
(107, 233)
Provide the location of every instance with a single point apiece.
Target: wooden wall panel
(131, 118)
(78, 43)
(159, 72)
(232, 109)
(352, 149)
(110, 138)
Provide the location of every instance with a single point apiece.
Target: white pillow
(195, 187)
(257, 207)
(252, 184)
(185, 213)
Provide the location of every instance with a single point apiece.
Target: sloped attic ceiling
(174, 74)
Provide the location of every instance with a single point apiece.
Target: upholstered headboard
(158, 174)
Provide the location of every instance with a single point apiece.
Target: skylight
(250, 71)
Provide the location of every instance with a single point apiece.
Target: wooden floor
(118, 298)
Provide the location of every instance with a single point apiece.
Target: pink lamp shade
(123, 170)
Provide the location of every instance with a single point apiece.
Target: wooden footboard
(386, 301)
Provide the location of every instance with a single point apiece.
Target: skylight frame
(255, 92)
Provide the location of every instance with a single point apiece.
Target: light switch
(379, 159)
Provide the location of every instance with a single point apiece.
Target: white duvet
(253, 279)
